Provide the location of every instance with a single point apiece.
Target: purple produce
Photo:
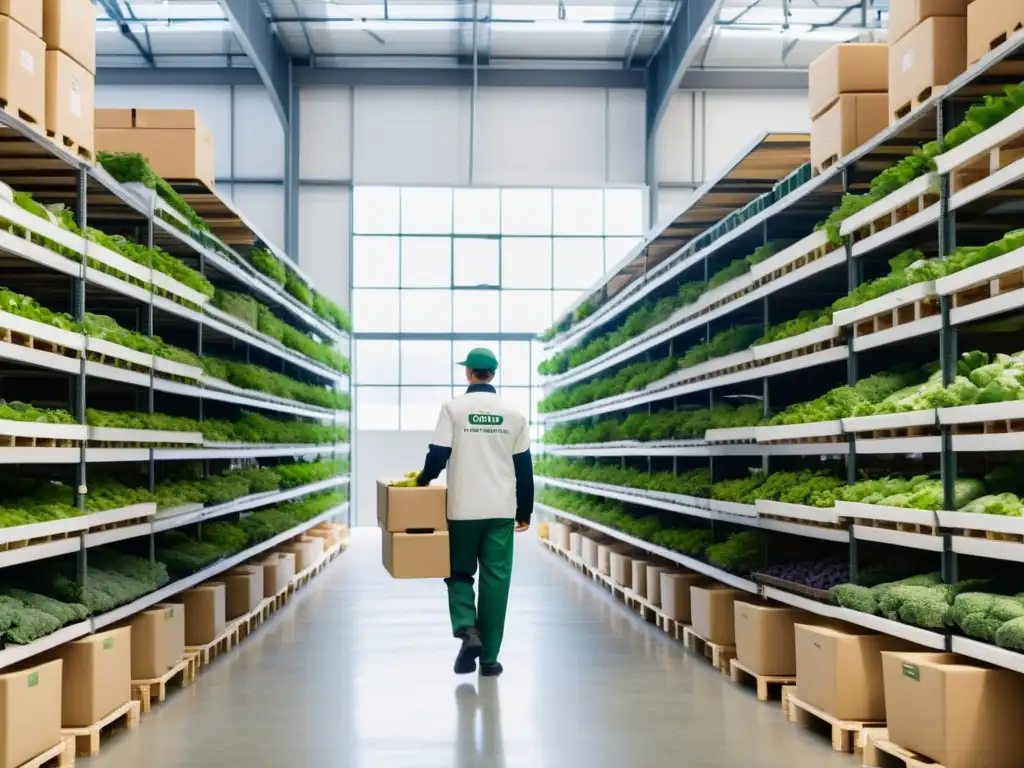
(818, 574)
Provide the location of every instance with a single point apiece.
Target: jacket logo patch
(485, 419)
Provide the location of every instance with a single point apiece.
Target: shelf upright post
(78, 403)
(854, 273)
(766, 408)
(947, 346)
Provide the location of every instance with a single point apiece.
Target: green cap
(481, 358)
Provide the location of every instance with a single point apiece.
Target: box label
(169, 614)
(908, 60)
(912, 671)
(108, 644)
(75, 100)
(33, 680)
(485, 420)
(28, 62)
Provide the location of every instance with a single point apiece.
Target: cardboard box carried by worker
(414, 530)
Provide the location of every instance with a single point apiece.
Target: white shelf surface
(990, 654)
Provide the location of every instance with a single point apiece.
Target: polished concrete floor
(356, 673)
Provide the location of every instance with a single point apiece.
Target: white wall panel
(541, 136)
(734, 119)
(263, 204)
(325, 127)
(324, 230)
(383, 454)
(259, 137)
(678, 144)
(671, 201)
(411, 136)
(213, 103)
(627, 154)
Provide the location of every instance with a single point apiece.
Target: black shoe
(465, 662)
(491, 670)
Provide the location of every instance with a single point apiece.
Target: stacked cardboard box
(157, 640)
(307, 549)
(205, 612)
(69, 29)
(97, 676)
(847, 87)
(178, 146)
(30, 712)
(954, 711)
(332, 533)
(414, 525)
(927, 50)
(990, 23)
(23, 60)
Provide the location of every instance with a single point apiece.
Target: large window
(437, 271)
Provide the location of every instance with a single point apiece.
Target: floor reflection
(478, 741)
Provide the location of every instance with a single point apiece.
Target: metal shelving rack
(59, 368)
(918, 216)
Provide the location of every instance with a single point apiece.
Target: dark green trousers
(487, 544)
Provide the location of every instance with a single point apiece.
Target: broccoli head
(1011, 635)
(854, 597)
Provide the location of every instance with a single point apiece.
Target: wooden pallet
(784, 694)
(889, 525)
(763, 684)
(894, 318)
(974, 533)
(897, 432)
(879, 752)
(646, 610)
(222, 643)
(69, 145)
(60, 756)
(670, 626)
(144, 690)
(30, 120)
(892, 218)
(797, 263)
(904, 109)
(20, 441)
(1001, 427)
(87, 739)
(718, 655)
(25, 340)
(845, 733)
(838, 526)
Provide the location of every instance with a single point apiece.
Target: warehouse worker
(485, 443)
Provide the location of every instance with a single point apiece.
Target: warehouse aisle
(357, 674)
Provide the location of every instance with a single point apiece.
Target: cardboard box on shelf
(30, 712)
(205, 612)
(70, 91)
(278, 570)
(417, 555)
(989, 24)
(22, 72)
(69, 26)
(176, 142)
(846, 68)
(925, 61)
(28, 13)
(621, 569)
(307, 550)
(952, 711)
(904, 15)
(839, 669)
(412, 509)
(852, 121)
(97, 676)
(559, 535)
(638, 578)
(155, 635)
(576, 543)
(653, 593)
(589, 550)
(243, 590)
(765, 638)
(174, 640)
(712, 613)
(675, 594)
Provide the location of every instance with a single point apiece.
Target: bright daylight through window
(438, 271)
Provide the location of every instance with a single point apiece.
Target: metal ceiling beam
(254, 34)
(113, 10)
(694, 79)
